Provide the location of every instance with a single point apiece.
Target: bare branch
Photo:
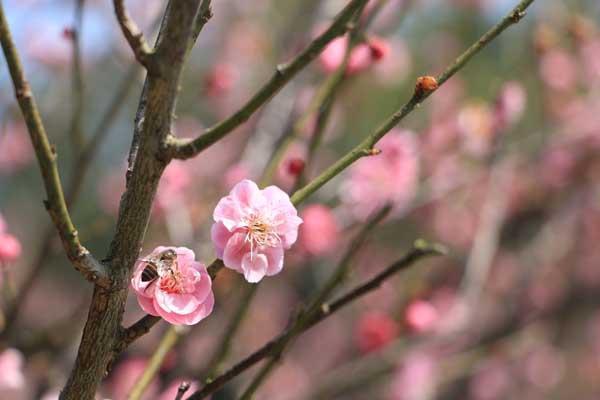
(272, 348)
(419, 95)
(185, 148)
(81, 258)
(133, 34)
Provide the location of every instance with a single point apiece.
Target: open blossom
(252, 229)
(389, 177)
(169, 283)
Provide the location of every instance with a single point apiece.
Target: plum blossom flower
(252, 229)
(319, 232)
(181, 293)
(391, 176)
(421, 316)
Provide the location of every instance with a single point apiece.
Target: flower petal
(254, 267)
(219, 235)
(275, 260)
(234, 251)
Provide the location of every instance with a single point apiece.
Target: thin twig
(78, 88)
(185, 148)
(81, 258)
(419, 251)
(183, 387)
(338, 276)
(133, 34)
(364, 148)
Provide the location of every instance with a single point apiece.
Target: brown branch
(419, 251)
(186, 148)
(81, 258)
(133, 35)
(153, 121)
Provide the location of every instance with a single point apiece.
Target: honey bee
(165, 260)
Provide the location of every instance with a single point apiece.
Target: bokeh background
(500, 165)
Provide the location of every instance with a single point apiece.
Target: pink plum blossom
(319, 232)
(389, 177)
(510, 105)
(11, 370)
(252, 229)
(416, 378)
(375, 330)
(182, 292)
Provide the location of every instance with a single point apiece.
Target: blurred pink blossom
(220, 80)
(557, 166)
(375, 330)
(11, 370)
(182, 291)
(235, 174)
(319, 232)
(124, 376)
(10, 248)
(171, 391)
(544, 367)
(476, 125)
(292, 161)
(362, 56)
(389, 177)
(590, 54)
(421, 316)
(492, 381)
(176, 179)
(415, 379)
(558, 70)
(252, 229)
(16, 151)
(510, 105)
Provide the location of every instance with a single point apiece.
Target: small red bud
(425, 84)
(295, 166)
(379, 48)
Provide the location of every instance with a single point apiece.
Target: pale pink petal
(184, 255)
(147, 304)
(174, 302)
(254, 267)
(228, 212)
(234, 251)
(247, 193)
(275, 260)
(219, 235)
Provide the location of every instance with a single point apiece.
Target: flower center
(170, 278)
(260, 232)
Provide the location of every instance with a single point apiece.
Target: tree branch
(153, 121)
(420, 94)
(133, 34)
(81, 258)
(185, 148)
(419, 251)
